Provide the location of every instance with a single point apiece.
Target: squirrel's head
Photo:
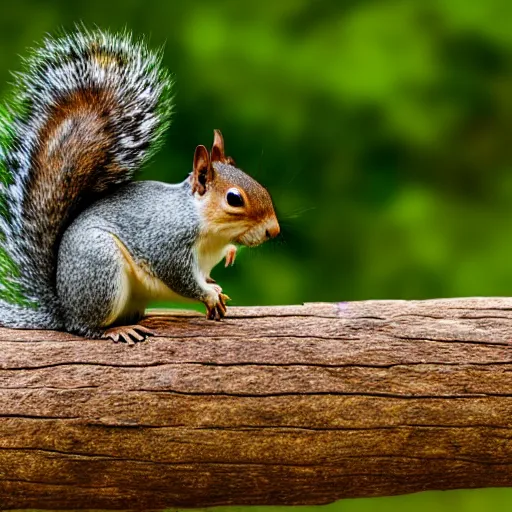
(234, 205)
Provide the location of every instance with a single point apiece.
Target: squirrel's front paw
(216, 303)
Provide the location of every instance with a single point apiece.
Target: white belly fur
(137, 287)
(209, 251)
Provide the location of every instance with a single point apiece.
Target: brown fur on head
(235, 206)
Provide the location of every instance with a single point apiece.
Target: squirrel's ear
(218, 154)
(218, 147)
(202, 173)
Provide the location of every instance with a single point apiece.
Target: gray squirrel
(83, 248)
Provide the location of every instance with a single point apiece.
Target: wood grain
(274, 405)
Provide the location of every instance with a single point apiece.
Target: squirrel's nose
(273, 230)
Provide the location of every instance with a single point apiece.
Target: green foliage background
(382, 129)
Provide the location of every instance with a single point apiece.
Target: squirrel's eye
(234, 198)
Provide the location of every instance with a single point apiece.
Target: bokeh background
(382, 129)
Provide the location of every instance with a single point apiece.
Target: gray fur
(23, 317)
(87, 273)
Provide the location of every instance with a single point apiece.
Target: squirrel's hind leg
(94, 288)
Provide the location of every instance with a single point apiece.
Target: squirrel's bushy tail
(88, 110)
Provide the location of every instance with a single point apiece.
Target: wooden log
(274, 405)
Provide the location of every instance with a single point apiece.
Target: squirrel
(83, 247)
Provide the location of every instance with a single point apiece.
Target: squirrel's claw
(217, 311)
(129, 334)
(230, 255)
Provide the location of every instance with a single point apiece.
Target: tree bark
(274, 405)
